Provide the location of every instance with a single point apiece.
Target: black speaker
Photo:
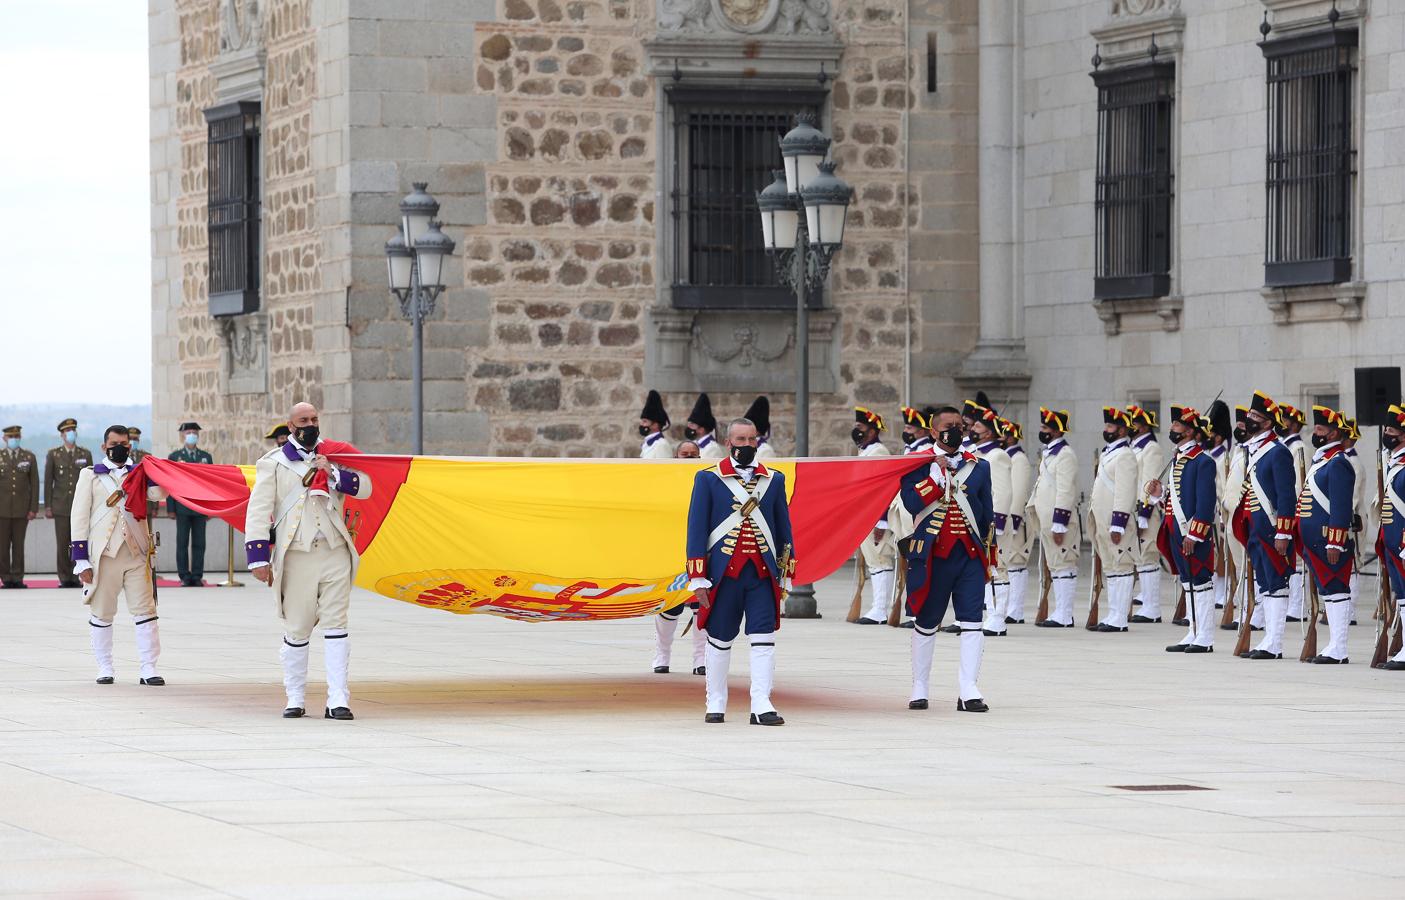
(1376, 389)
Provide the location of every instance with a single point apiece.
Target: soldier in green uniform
(190, 525)
(61, 467)
(19, 504)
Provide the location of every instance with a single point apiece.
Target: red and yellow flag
(546, 540)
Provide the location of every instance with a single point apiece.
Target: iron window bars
(234, 204)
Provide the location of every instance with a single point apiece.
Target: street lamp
(802, 248)
(414, 260)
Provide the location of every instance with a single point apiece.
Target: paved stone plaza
(492, 758)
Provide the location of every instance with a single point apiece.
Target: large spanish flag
(541, 540)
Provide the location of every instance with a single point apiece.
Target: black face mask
(1045, 437)
(308, 435)
(1390, 441)
(743, 456)
(644, 431)
(908, 437)
(1240, 435)
(118, 453)
(1109, 437)
(1178, 437)
(690, 433)
(1319, 441)
(950, 437)
(1251, 427)
(858, 435)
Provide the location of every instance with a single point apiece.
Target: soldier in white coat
(760, 414)
(312, 564)
(701, 428)
(880, 547)
(1230, 495)
(111, 555)
(1111, 508)
(652, 422)
(1017, 540)
(1151, 461)
(916, 438)
(1052, 506)
(1290, 426)
(1217, 445)
(986, 444)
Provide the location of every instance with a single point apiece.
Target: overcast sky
(74, 218)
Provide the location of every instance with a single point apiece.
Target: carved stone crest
(241, 25)
(245, 339)
(1122, 8)
(787, 17)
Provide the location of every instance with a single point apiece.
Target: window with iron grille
(1133, 199)
(1311, 158)
(725, 149)
(234, 191)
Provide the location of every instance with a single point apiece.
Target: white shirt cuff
(1335, 547)
(1143, 523)
(1056, 528)
(1283, 535)
(257, 565)
(699, 583)
(882, 525)
(81, 566)
(1116, 529)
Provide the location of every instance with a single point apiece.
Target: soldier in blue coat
(1390, 542)
(1325, 508)
(1187, 535)
(948, 556)
(1264, 522)
(740, 562)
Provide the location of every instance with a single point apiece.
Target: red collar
(728, 468)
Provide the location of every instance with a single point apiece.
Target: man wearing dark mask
(1216, 444)
(1110, 510)
(110, 556)
(1187, 533)
(1264, 520)
(1052, 502)
(1289, 427)
(1151, 460)
(985, 445)
(1351, 434)
(700, 427)
(1016, 547)
(311, 565)
(759, 412)
(740, 562)
(652, 422)
(948, 557)
(916, 438)
(666, 622)
(879, 548)
(1229, 502)
(1325, 508)
(1390, 544)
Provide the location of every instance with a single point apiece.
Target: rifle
(153, 540)
(1095, 592)
(1241, 646)
(1179, 617)
(1387, 622)
(1046, 585)
(1310, 621)
(1231, 589)
(895, 612)
(857, 605)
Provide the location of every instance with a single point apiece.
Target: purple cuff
(1144, 510)
(1119, 519)
(1000, 521)
(1018, 521)
(256, 551)
(78, 551)
(1062, 516)
(348, 482)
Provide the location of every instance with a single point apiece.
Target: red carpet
(53, 583)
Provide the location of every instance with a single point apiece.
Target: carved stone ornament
(1121, 8)
(241, 25)
(785, 17)
(245, 340)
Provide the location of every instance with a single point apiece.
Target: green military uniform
(61, 468)
(190, 525)
(137, 456)
(19, 502)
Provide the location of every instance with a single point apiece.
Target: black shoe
(1219, 606)
(1050, 623)
(953, 628)
(1147, 620)
(1177, 648)
(341, 714)
(1392, 665)
(1184, 623)
(153, 681)
(1294, 618)
(910, 623)
(1105, 628)
(1136, 602)
(70, 584)
(5, 585)
(1196, 648)
(1229, 627)
(1253, 628)
(922, 704)
(1264, 654)
(1012, 621)
(767, 718)
(700, 670)
(865, 620)
(1329, 661)
(106, 679)
(660, 670)
(972, 706)
(21, 586)
(294, 712)
(1353, 621)
(714, 718)
(1247, 654)
(988, 633)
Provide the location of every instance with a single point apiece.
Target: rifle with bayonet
(1241, 646)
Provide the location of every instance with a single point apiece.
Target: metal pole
(800, 603)
(417, 315)
(229, 580)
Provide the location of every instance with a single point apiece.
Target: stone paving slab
(502, 759)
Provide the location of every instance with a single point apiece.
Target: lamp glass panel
(786, 225)
(431, 267)
(415, 225)
(831, 221)
(399, 269)
(807, 168)
(792, 181)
